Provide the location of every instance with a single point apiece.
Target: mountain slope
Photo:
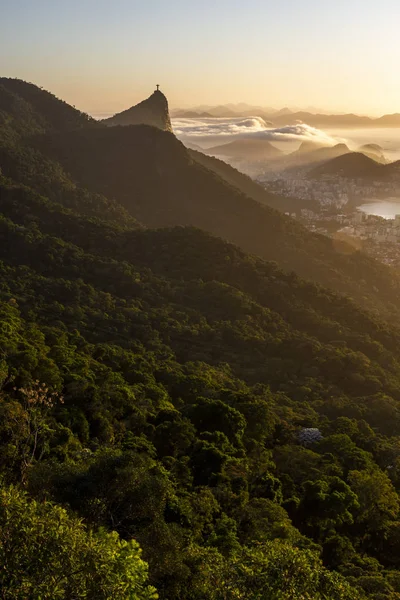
(187, 370)
(242, 182)
(159, 183)
(27, 109)
(237, 421)
(359, 165)
(352, 165)
(152, 111)
(154, 177)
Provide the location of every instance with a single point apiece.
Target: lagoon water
(387, 209)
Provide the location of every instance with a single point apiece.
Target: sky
(103, 56)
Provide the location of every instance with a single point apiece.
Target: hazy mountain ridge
(286, 116)
(337, 121)
(317, 159)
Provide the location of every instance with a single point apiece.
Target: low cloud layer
(225, 129)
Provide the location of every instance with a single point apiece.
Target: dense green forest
(179, 418)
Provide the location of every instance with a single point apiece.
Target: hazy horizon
(106, 57)
(207, 133)
(102, 114)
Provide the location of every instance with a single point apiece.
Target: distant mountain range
(335, 121)
(310, 153)
(224, 110)
(286, 116)
(191, 114)
(247, 151)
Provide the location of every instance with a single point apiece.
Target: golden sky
(103, 57)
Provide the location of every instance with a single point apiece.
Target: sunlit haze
(104, 56)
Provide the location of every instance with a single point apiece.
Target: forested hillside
(161, 184)
(179, 418)
(244, 183)
(27, 109)
(155, 178)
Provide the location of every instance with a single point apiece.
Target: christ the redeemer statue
(158, 85)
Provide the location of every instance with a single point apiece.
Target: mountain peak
(27, 109)
(152, 111)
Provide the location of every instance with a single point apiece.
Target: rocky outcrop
(153, 111)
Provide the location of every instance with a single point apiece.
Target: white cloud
(225, 129)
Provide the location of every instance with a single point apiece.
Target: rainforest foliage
(153, 387)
